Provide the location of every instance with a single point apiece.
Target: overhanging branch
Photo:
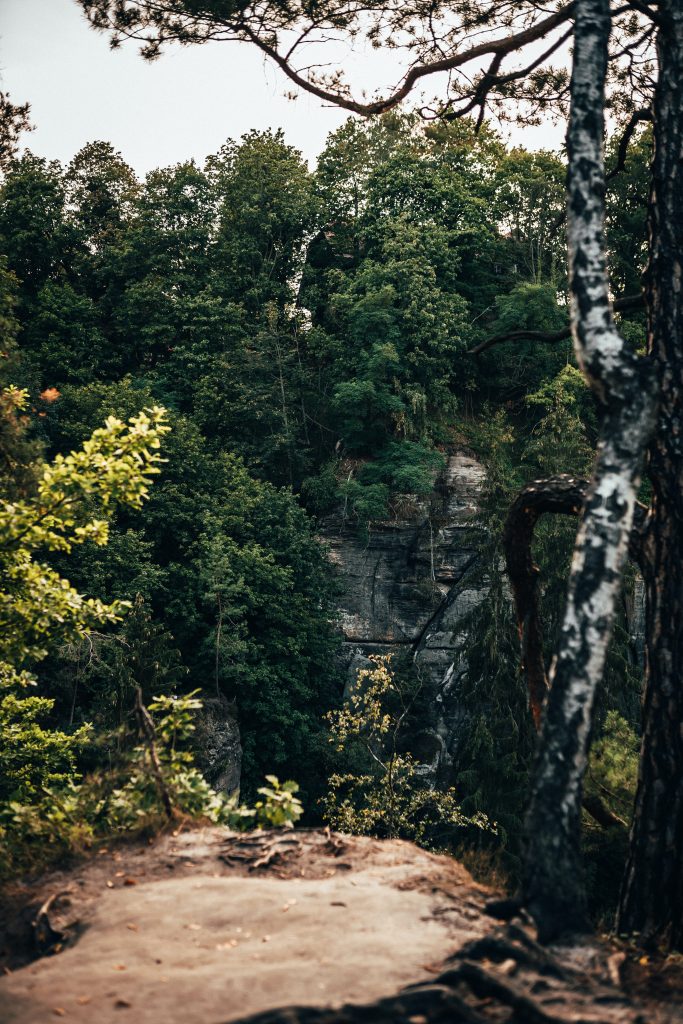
(644, 114)
(622, 305)
(499, 47)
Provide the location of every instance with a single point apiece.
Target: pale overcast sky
(184, 105)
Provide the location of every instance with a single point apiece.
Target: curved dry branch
(637, 117)
(562, 495)
(556, 495)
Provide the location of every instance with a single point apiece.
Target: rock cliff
(407, 588)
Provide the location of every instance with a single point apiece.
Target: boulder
(218, 750)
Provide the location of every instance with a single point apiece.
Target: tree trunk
(552, 888)
(652, 892)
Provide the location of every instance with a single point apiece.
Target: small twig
(148, 732)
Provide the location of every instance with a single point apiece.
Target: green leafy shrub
(155, 780)
(280, 806)
(387, 796)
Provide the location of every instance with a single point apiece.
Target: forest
(293, 324)
(208, 369)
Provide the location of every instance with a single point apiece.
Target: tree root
(479, 988)
(46, 937)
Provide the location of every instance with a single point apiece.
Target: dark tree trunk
(552, 888)
(652, 893)
(562, 495)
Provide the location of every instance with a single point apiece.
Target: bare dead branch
(148, 732)
(643, 114)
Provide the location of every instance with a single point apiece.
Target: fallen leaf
(83, 1000)
(119, 967)
(129, 881)
(337, 903)
(59, 1011)
(119, 874)
(132, 927)
(121, 1004)
(644, 960)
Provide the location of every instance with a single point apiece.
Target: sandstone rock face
(408, 589)
(218, 751)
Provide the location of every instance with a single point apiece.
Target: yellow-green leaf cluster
(74, 497)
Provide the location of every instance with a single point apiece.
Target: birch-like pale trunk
(552, 890)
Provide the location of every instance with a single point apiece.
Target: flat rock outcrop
(300, 927)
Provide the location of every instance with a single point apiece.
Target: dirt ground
(210, 926)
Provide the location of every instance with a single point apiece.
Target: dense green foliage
(308, 333)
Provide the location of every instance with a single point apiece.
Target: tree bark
(563, 495)
(551, 888)
(652, 892)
